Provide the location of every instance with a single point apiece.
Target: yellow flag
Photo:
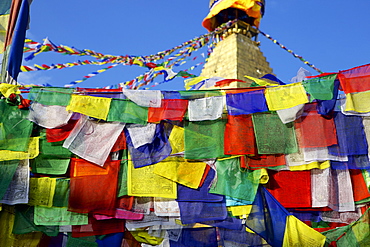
(358, 102)
(97, 107)
(285, 96)
(244, 210)
(299, 234)
(7, 89)
(260, 81)
(310, 166)
(7, 238)
(181, 171)
(33, 151)
(42, 191)
(176, 140)
(192, 81)
(143, 182)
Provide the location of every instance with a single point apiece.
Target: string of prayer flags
(285, 96)
(97, 107)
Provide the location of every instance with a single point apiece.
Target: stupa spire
(238, 53)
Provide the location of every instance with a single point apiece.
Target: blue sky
(333, 35)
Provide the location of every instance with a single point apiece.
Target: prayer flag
(246, 102)
(272, 136)
(356, 79)
(286, 96)
(298, 233)
(97, 107)
(320, 87)
(358, 102)
(170, 109)
(14, 16)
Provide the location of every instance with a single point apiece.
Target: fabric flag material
(15, 35)
(350, 134)
(8, 89)
(291, 189)
(204, 139)
(144, 182)
(51, 96)
(320, 87)
(267, 218)
(145, 98)
(210, 108)
(42, 191)
(201, 194)
(252, 8)
(286, 96)
(49, 116)
(128, 112)
(92, 140)
(272, 136)
(141, 134)
(356, 79)
(176, 140)
(54, 216)
(97, 107)
(358, 102)
(239, 135)
(7, 170)
(234, 182)
(155, 151)
(15, 128)
(170, 109)
(355, 234)
(93, 189)
(246, 103)
(298, 233)
(17, 191)
(315, 131)
(177, 169)
(31, 153)
(290, 114)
